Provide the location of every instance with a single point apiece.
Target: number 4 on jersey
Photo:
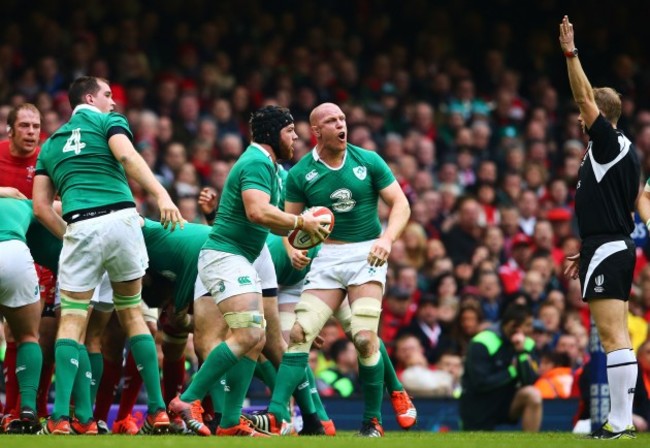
(74, 143)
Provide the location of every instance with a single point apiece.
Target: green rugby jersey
(80, 163)
(232, 232)
(19, 223)
(350, 191)
(287, 275)
(175, 255)
(17, 216)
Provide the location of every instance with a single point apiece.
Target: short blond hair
(608, 102)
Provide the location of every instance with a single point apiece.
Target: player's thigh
(125, 252)
(18, 278)
(19, 291)
(266, 272)
(228, 275)
(81, 260)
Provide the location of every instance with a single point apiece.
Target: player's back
(80, 163)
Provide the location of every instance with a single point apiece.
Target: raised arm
(583, 93)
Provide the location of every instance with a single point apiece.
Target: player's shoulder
(4, 149)
(366, 155)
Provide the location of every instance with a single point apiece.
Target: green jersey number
(74, 143)
(343, 200)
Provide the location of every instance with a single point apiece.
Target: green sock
(218, 392)
(292, 370)
(29, 361)
(266, 372)
(219, 361)
(372, 385)
(145, 355)
(315, 397)
(83, 408)
(97, 369)
(390, 377)
(238, 379)
(302, 394)
(66, 357)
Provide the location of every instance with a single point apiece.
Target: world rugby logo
(599, 280)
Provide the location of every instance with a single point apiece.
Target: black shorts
(607, 267)
(485, 412)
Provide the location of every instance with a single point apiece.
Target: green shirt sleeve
(382, 176)
(256, 177)
(114, 119)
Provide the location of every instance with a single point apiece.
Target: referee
(608, 183)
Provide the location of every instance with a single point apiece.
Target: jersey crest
(361, 172)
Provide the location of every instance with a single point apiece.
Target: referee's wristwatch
(571, 53)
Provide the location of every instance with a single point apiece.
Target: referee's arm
(583, 93)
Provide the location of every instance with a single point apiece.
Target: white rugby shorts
(18, 278)
(338, 266)
(111, 243)
(226, 275)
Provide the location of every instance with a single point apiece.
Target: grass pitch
(342, 440)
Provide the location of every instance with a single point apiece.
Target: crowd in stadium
(469, 107)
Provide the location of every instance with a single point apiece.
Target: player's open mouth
(342, 135)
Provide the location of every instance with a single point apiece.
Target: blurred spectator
(397, 311)
(463, 236)
(425, 326)
(343, 377)
(555, 377)
(468, 324)
(498, 376)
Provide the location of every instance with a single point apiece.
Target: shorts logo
(599, 280)
(361, 172)
(244, 280)
(372, 271)
(311, 175)
(221, 286)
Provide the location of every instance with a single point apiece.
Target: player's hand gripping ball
(302, 240)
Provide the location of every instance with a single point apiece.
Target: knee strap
(311, 315)
(365, 315)
(125, 302)
(245, 319)
(287, 320)
(344, 315)
(70, 306)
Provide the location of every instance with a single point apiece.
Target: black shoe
(311, 426)
(213, 424)
(606, 432)
(102, 427)
(371, 428)
(28, 423)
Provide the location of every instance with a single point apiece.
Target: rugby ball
(299, 239)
